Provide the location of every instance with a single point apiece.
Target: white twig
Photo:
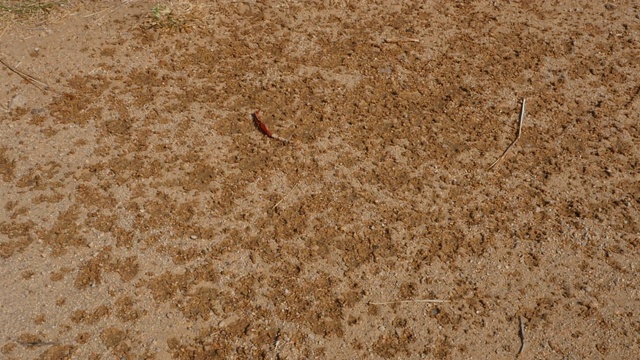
(428, 301)
(514, 140)
(290, 191)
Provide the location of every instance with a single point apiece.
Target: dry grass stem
(32, 80)
(514, 140)
(427, 301)
(290, 191)
(99, 12)
(395, 41)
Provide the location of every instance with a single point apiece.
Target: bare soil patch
(146, 216)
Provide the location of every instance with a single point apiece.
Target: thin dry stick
(395, 41)
(521, 336)
(428, 301)
(5, 28)
(290, 191)
(514, 140)
(99, 12)
(32, 80)
(112, 8)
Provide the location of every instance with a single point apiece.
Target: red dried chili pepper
(257, 119)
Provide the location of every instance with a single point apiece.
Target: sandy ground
(145, 216)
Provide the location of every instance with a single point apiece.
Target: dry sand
(145, 216)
